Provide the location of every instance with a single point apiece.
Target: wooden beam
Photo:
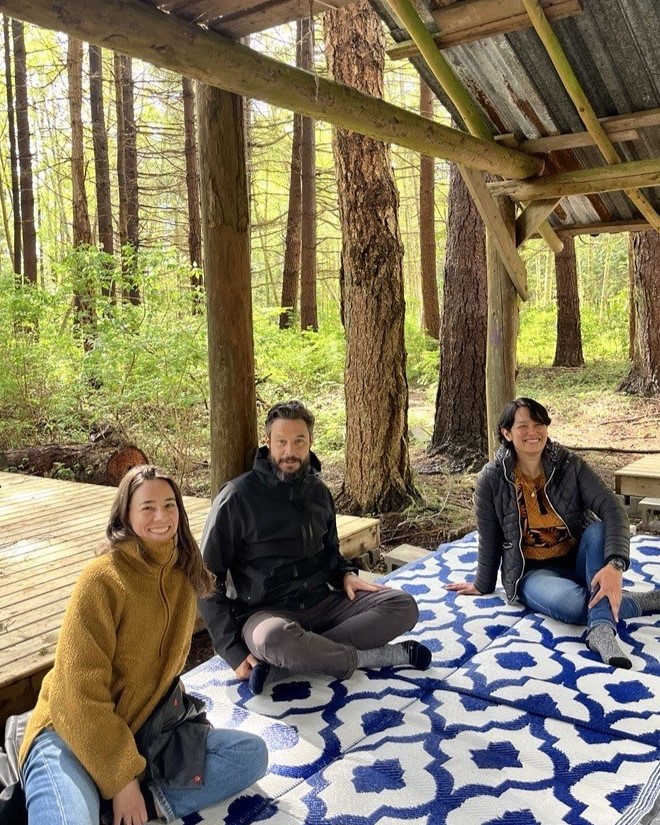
(636, 173)
(531, 218)
(477, 125)
(501, 236)
(472, 20)
(602, 228)
(136, 28)
(618, 128)
(227, 282)
(257, 17)
(502, 330)
(581, 102)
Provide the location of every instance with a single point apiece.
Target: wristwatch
(618, 563)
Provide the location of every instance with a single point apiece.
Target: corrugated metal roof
(613, 47)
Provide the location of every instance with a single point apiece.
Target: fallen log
(95, 462)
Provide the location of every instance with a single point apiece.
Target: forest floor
(614, 423)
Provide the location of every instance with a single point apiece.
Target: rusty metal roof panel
(613, 47)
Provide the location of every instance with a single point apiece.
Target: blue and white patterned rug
(516, 722)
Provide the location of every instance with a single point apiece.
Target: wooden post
(502, 329)
(225, 232)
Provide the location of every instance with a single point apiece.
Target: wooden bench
(49, 530)
(640, 478)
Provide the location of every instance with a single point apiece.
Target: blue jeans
(59, 790)
(564, 594)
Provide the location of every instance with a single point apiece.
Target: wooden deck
(49, 530)
(640, 478)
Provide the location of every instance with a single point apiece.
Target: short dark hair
(291, 410)
(537, 412)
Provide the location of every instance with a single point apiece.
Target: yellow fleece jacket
(125, 636)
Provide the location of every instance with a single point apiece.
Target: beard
(292, 475)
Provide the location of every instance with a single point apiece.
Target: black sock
(258, 677)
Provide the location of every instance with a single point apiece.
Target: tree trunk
(17, 247)
(96, 462)
(377, 475)
(127, 174)
(24, 156)
(460, 407)
(101, 166)
(308, 313)
(192, 183)
(225, 232)
(430, 307)
(632, 320)
(644, 375)
(568, 352)
(83, 289)
(291, 268)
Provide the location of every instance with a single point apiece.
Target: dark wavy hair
(291, 410)
(537, 412)
(119, 528)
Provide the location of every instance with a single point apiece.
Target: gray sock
(648, 601)
(382, 656)
(411, 653)
(602, 640)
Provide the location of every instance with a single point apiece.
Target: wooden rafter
(471, 20)
(611, 227)
(621, 176)
(569, 79)
(531, 218)
(145, 32)
(476, 125)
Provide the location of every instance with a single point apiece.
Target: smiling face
(153, 513)
(289, 443)
(527, 436)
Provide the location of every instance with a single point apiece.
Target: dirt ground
(622, 428)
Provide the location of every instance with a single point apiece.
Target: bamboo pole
(141, 30)
(634, 173)
(582, 104)
(451, 83)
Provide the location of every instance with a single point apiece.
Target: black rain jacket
(272, 544)
(575, 492)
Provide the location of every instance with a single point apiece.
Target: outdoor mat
(516, 722)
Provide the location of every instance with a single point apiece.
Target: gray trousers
(324, 638)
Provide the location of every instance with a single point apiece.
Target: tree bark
(192, 183)
(568, 352)
(644, 375)
(460, 408)
(430, 306)
(292, 246)
(225, 232)
(632, 319)
(28, 227)
(127, 174)
(308, 312)
(96, 462)
(377, 474)
(83, 289)
(17, 246)
(101, 166)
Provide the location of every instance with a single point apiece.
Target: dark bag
(12, 798)
(173, 740)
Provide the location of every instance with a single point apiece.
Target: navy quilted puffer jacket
(574, 490)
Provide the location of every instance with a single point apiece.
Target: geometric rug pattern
(515, 723)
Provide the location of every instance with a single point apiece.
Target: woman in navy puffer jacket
(559, 535)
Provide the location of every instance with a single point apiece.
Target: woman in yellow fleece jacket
(124, 639)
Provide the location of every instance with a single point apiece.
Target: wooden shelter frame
(168, 34)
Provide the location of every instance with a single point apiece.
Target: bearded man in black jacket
(286, 600)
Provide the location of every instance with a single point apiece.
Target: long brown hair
(119, 528)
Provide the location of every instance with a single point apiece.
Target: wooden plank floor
(49, 530)
(639, 478)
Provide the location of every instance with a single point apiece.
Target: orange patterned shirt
(544, 534)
